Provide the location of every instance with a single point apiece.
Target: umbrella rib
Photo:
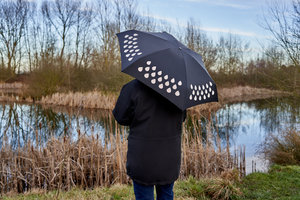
(199, 63)
(185, 98)
(159, 37)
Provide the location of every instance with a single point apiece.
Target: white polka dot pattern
(157, 77)
(201, 92)
(131, 47)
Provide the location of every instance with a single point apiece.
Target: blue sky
(216, 17)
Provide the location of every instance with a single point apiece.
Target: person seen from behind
(154, 141)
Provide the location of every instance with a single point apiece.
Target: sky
(216, 17)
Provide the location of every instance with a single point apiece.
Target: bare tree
(275, 56)
(106, 29)
(282, 21)
(83, 24)
(13, 18)
(62, 16)
(130, 17)
(230, 54)
(30, 41)
(148, 23)
(200, 43)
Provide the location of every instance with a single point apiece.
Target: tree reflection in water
(236, 123)
(21, 123)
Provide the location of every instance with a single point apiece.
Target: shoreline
(101, 100)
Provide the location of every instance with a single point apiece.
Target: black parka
(154, 141)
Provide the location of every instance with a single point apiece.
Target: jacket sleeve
(123, 111)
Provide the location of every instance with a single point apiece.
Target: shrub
(6, 74)
(45, 81)
(282, 149)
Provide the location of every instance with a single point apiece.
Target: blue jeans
(143, 192)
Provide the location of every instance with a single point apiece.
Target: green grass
(281, 182)
(115, 192)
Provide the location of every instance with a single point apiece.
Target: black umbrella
(167, 66)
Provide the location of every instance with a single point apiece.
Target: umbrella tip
(180, 48)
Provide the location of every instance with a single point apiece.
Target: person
(154, 141)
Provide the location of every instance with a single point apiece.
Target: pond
(246, 123)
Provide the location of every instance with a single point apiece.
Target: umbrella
(167, 66)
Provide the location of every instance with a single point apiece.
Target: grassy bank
(281, 182)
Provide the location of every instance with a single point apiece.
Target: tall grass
(106, 100)
(91, 161)
(282, 149)
(9, 86)
(93, 99)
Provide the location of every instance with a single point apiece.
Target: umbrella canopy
(167, 66)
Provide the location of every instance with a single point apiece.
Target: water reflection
(235, 124)
(258, 117)
(21, 123)
(249, 123)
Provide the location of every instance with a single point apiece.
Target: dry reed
(16, 85)
(97, 99)
(94, 99)
(13, 92)
(282, 148)
(101, 100)
(14, 98)
(92, 161)
(247, 93)
(62, 164)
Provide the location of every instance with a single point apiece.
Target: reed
(15, 85)
(93, 161)
(99, 99)
(14, 98)
(282, 148)
(105, 100)
(62, 164)
(93, 99)
(247, 93)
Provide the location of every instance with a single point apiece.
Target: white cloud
(221, 30)
(222, 3)
(174, 21)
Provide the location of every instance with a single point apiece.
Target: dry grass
(222, 189)
(95, 99)
(282, 149)
(205, 158)
(101, 100)
(13, 98)
(63, 164)
(98, 99)
(91, 161)
(13, 92)
(14, 85)
(247, 93)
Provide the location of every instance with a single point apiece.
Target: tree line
(72, 44)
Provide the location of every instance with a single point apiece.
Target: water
(249, 123)
(246, 123)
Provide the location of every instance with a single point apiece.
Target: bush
(282, 149)
(6, 74)
(45, 81)
(110, 80)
